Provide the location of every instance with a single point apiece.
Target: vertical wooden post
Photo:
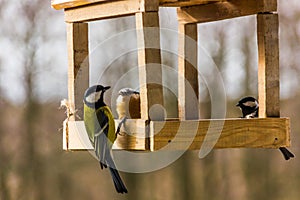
(78, 66)
(150, 70)
(188, 94)
(268, 67)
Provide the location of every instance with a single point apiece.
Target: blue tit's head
(128, 92)
(93, 96)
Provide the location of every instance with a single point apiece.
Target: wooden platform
(189, 135)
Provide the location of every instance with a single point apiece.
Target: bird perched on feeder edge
(100, 126)
(249, 107)
(128, 104)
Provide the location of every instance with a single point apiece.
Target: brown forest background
(33, 72)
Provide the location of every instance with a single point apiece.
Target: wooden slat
(149, 61)
(184, 3)
(132, 136)
(236, 133)
(61, 4)
(109, 9)
(188, 94)
(224, 10)
(268, 68)
(78, 66)
(189, 135)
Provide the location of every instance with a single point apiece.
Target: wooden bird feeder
(267, 131)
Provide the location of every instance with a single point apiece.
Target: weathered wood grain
(109, 9)
(188, 94)
(78, 66)
(236, 133)
(132, 136)
(189, 135)
(62, 4)
(224, 10)
(268, 67)
(149, 61)
(184, 3)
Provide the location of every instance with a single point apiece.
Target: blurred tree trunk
(32, 169)
(4, 161)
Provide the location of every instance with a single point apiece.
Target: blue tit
(100, 127)
(128, 104)
(249, 107)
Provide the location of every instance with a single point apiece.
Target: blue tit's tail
(103, 152)
(119, 185)
(286, 153)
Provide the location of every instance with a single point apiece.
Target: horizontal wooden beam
(236, 133)
(62, 4)
(189, 135)
(109, 9)
(224, 10)
(184, 3)
(132, 136)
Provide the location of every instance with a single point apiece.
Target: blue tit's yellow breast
(92, 124)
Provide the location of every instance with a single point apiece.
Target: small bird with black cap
(249, 107)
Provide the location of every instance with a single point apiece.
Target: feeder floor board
(188, 135)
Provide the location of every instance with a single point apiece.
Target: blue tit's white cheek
(93, 97)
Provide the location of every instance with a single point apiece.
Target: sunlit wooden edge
(176, 135)
(63, 4)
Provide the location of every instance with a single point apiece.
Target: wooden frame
(108, 9)
(62, 4)
(151, 133)
(268, 65)
(78, 69)
(224, 10)
(188, 86)
(149, 61)
(189, 135)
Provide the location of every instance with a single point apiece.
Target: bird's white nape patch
(250, 103)
(93, 97)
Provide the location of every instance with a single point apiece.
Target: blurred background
(33, 80)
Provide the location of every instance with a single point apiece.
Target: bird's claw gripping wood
(120, 125)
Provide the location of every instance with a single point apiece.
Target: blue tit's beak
(237, 105)
(106, 88)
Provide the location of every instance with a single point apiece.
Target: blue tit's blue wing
(101, 141)
(103, 150)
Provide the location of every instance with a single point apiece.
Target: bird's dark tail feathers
(119, 185)
(286, 153)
